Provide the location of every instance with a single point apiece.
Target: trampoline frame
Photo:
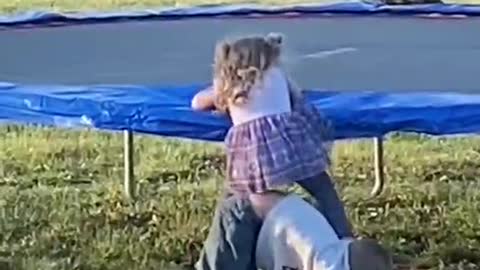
(129, 183)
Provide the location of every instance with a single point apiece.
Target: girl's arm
(204, 100)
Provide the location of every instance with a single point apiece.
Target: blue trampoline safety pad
(166, 111)
(77, 70)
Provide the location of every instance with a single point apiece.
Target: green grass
(62, 206)
(61, 202)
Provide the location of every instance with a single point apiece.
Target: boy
(296, 236)
(275, 231)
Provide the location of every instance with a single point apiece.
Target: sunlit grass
(62, 206)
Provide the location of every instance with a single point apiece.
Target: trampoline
(379, 68)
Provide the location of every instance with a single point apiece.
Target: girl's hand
(204, 100)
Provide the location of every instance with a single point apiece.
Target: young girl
(277, 139)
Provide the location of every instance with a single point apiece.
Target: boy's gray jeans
(232, 239)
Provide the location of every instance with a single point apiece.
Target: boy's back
(296, 236)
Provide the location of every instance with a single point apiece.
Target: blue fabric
(166, 111)
(354, 7)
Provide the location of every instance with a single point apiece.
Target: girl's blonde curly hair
(240, 64)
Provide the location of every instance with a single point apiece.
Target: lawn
(61, 202)
(62, 206)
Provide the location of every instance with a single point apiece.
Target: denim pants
(232, 239)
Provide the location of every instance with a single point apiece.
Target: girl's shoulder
(275, 77)
(275, 72)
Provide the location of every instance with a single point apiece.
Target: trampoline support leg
(379, 167)
(128, 166)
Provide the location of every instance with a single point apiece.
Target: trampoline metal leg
(379, 166)
(128, 166)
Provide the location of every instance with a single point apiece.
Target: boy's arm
(204, 100)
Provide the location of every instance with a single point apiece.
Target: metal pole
(379, 166)
(128, 166)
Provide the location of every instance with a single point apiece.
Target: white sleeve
(295, 236)
(273, 252)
